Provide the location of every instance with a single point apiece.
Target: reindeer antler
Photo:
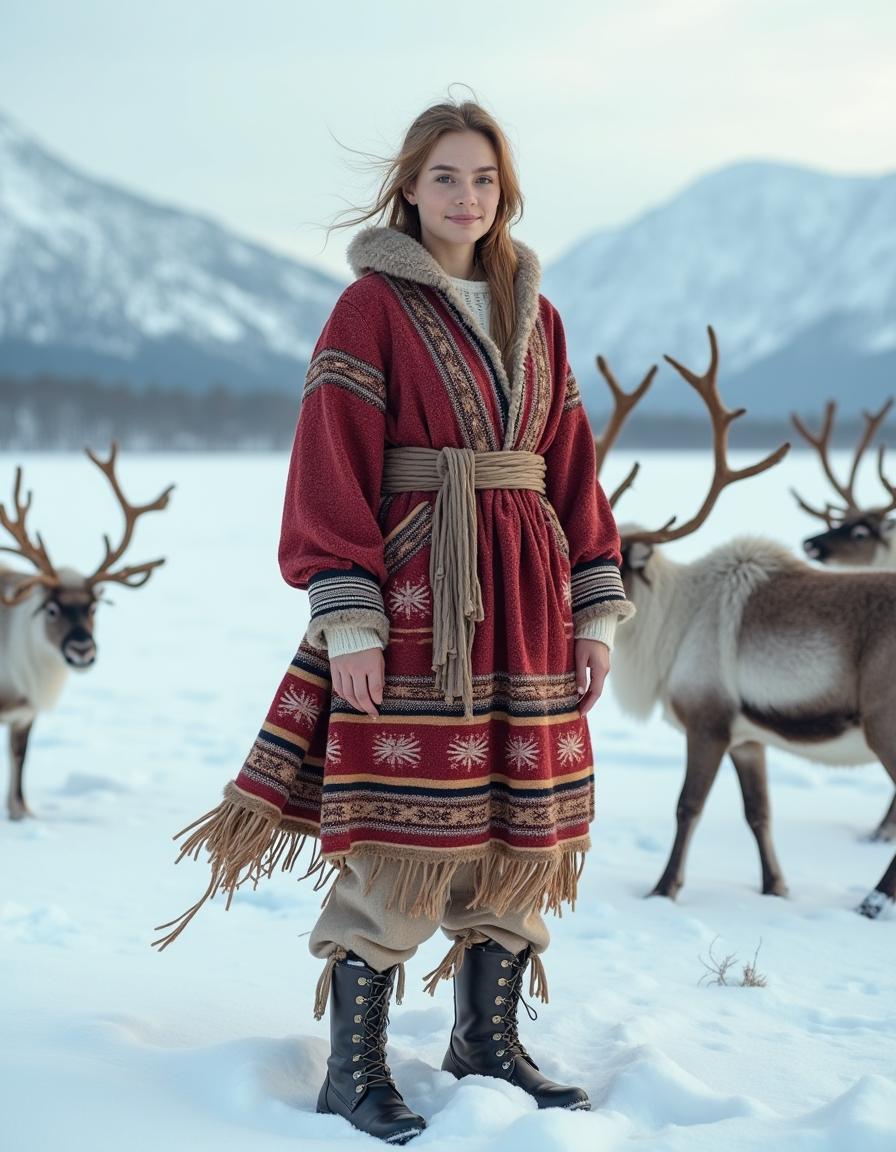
(891, 488)
(723, 475)
(822, 443)
(623, 403)
(625, 485)
(32, 550)
(138, 574)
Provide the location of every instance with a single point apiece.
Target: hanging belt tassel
(455, 474)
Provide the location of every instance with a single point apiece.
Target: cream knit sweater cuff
(343, 638)
(603, 629)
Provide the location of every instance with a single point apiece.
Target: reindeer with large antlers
(750, 646)
(855, 536)
(46, 618)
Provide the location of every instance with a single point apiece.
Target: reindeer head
(854, 536)
(638, 543)
(66, 600)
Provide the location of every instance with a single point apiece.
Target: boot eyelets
(362, 980)
(505, 963)
(357, 1075)
(356, 1039)
(496, 1019)
(501, 982)
(506, 1064)
(499, 999)
(360, 1088)
(357, 1057)
(360, 1000)
(496, 1035)
(357, 1019)
(500, 1052)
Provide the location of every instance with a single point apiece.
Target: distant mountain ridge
(796, 270)
(98, 281)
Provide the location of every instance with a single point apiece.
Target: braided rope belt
(457, 597)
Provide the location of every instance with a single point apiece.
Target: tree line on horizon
(46, 412)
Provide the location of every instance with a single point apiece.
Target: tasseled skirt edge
(247, 838)
(504, 879)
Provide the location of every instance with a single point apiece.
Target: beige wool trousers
(361, 922)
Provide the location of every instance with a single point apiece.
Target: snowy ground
(212, 1044)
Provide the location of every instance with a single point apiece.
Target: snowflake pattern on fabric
(410, 598)
(396, 751)
(334, 748)
(570, 747)
(302, 706)
(522, 751)
(566, 588)
(468, 751)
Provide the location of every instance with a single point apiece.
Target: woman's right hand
(358, 677)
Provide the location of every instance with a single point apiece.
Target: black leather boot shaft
(484, 1040)
(359, 1084)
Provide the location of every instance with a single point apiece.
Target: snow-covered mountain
(795, 270)
(95, 280)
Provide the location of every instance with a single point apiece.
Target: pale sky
(234, 109)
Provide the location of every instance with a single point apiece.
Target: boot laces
(371, 1059)
(509, 1044)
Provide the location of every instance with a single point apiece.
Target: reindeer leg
(18, 743)
(880, 735)
(882, 896)
(886, 830)
(749, 763)
(705, 752)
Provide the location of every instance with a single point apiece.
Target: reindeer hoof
(874, 903)
(775, 888)
(670, 891)
(18, 809)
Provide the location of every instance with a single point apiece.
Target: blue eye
(445, 176)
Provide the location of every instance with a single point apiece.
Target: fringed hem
(503, 880)
(246, 838)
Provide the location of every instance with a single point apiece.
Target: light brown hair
(494, 250)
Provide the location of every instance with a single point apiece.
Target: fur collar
(386, 249)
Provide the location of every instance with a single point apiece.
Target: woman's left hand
(591, 655)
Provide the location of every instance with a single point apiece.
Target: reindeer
(855, 536)
(46, 619)
(751, 646)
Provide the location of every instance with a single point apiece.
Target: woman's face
(457, 190)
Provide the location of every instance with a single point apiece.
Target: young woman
(462, 563)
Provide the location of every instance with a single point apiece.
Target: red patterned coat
(402, 361)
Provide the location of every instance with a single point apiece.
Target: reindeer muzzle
(815, 549)
(79, 648)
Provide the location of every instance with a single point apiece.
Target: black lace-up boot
(484, 1040)
(359, 1085)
